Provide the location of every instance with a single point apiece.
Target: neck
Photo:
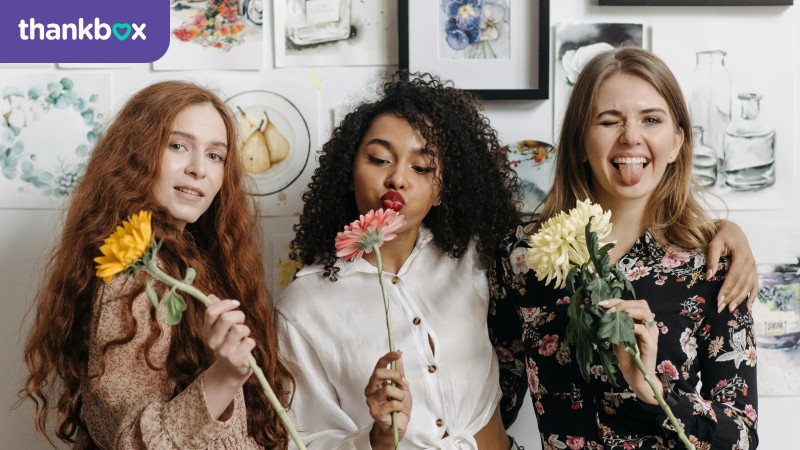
(629, 223)
(395, 252)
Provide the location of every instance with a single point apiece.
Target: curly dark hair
(479, 191)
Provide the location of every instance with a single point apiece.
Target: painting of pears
(274, 140)
(262, 143)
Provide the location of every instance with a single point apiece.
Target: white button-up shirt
(333, 333)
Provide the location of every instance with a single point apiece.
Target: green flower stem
(634, 351)
(393, 365)
(153, 270)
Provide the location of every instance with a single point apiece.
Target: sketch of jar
(776, 312)
(316, 21)
(710, 99)
(749, 160)
(704, 159)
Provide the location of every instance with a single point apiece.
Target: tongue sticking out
(631, 173)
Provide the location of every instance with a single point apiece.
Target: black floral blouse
(527, 323)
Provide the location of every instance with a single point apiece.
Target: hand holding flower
(567, 249)
(228, 337)
(388, 393)
(646, 339)
(366, 235)
(131, 249)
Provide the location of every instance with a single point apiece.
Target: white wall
(26, 235)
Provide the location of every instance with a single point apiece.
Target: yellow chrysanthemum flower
(563, 239)
(127, 244)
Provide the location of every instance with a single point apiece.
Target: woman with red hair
(101, 355)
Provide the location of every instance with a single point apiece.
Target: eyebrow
(384, 143)
(193, 137)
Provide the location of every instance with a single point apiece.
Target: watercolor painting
(474, 29)
(776, 311)
(744, 114)
(576, 44)
(48, 125)
(283, 268)
(278, 138)
(335, 33)
(534, 162)
(214, 34)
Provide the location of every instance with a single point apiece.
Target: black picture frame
(535, 68)
(696, 2)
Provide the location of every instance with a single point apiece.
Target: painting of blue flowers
(474, 29)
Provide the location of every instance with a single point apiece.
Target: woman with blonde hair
(626, 144)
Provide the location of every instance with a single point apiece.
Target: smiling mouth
(631, 168)
(189, 191)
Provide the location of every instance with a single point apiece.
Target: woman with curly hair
(100, 355)
(423, 147)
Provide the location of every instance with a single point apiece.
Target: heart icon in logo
(121, 35)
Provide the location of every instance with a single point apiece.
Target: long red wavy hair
(223, 246)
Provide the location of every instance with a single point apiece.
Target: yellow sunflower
(127, 244)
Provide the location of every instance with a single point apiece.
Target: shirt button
(431, 368)
(439, 422)
(416, 321)
(395, 280)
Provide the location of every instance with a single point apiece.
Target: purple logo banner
(84, 31)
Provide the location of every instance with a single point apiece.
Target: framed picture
(498, 49)
(695, 2)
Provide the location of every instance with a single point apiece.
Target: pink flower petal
(383, 222)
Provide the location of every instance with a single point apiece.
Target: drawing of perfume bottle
(704, 159)
(749, 161)
(316, 21)
(710, 98)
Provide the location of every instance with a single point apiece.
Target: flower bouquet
(567, 249)
(366, 235)
(132, 248)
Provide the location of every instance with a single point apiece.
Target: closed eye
(423, 170)
(377, 161)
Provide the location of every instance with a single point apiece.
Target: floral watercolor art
(475, 29)
(47, 128)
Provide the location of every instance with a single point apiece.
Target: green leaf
(616, 328)
(174, 305)
(190, 274)
(579, 333)
(151, 294)
(609, 361)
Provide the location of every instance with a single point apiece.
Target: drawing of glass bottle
(704, 159)
(710, 99)
(749, 160)
(316, 21)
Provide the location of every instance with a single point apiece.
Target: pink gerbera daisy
(369, 231)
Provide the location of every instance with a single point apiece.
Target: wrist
(646, 394)
(379, 439)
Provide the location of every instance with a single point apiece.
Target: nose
(631, 134)
(396, 180)
(196, 165)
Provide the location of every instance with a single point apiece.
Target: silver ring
(650, 324)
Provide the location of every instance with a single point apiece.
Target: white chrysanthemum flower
(561, 241)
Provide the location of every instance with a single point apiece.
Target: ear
(676, 149)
